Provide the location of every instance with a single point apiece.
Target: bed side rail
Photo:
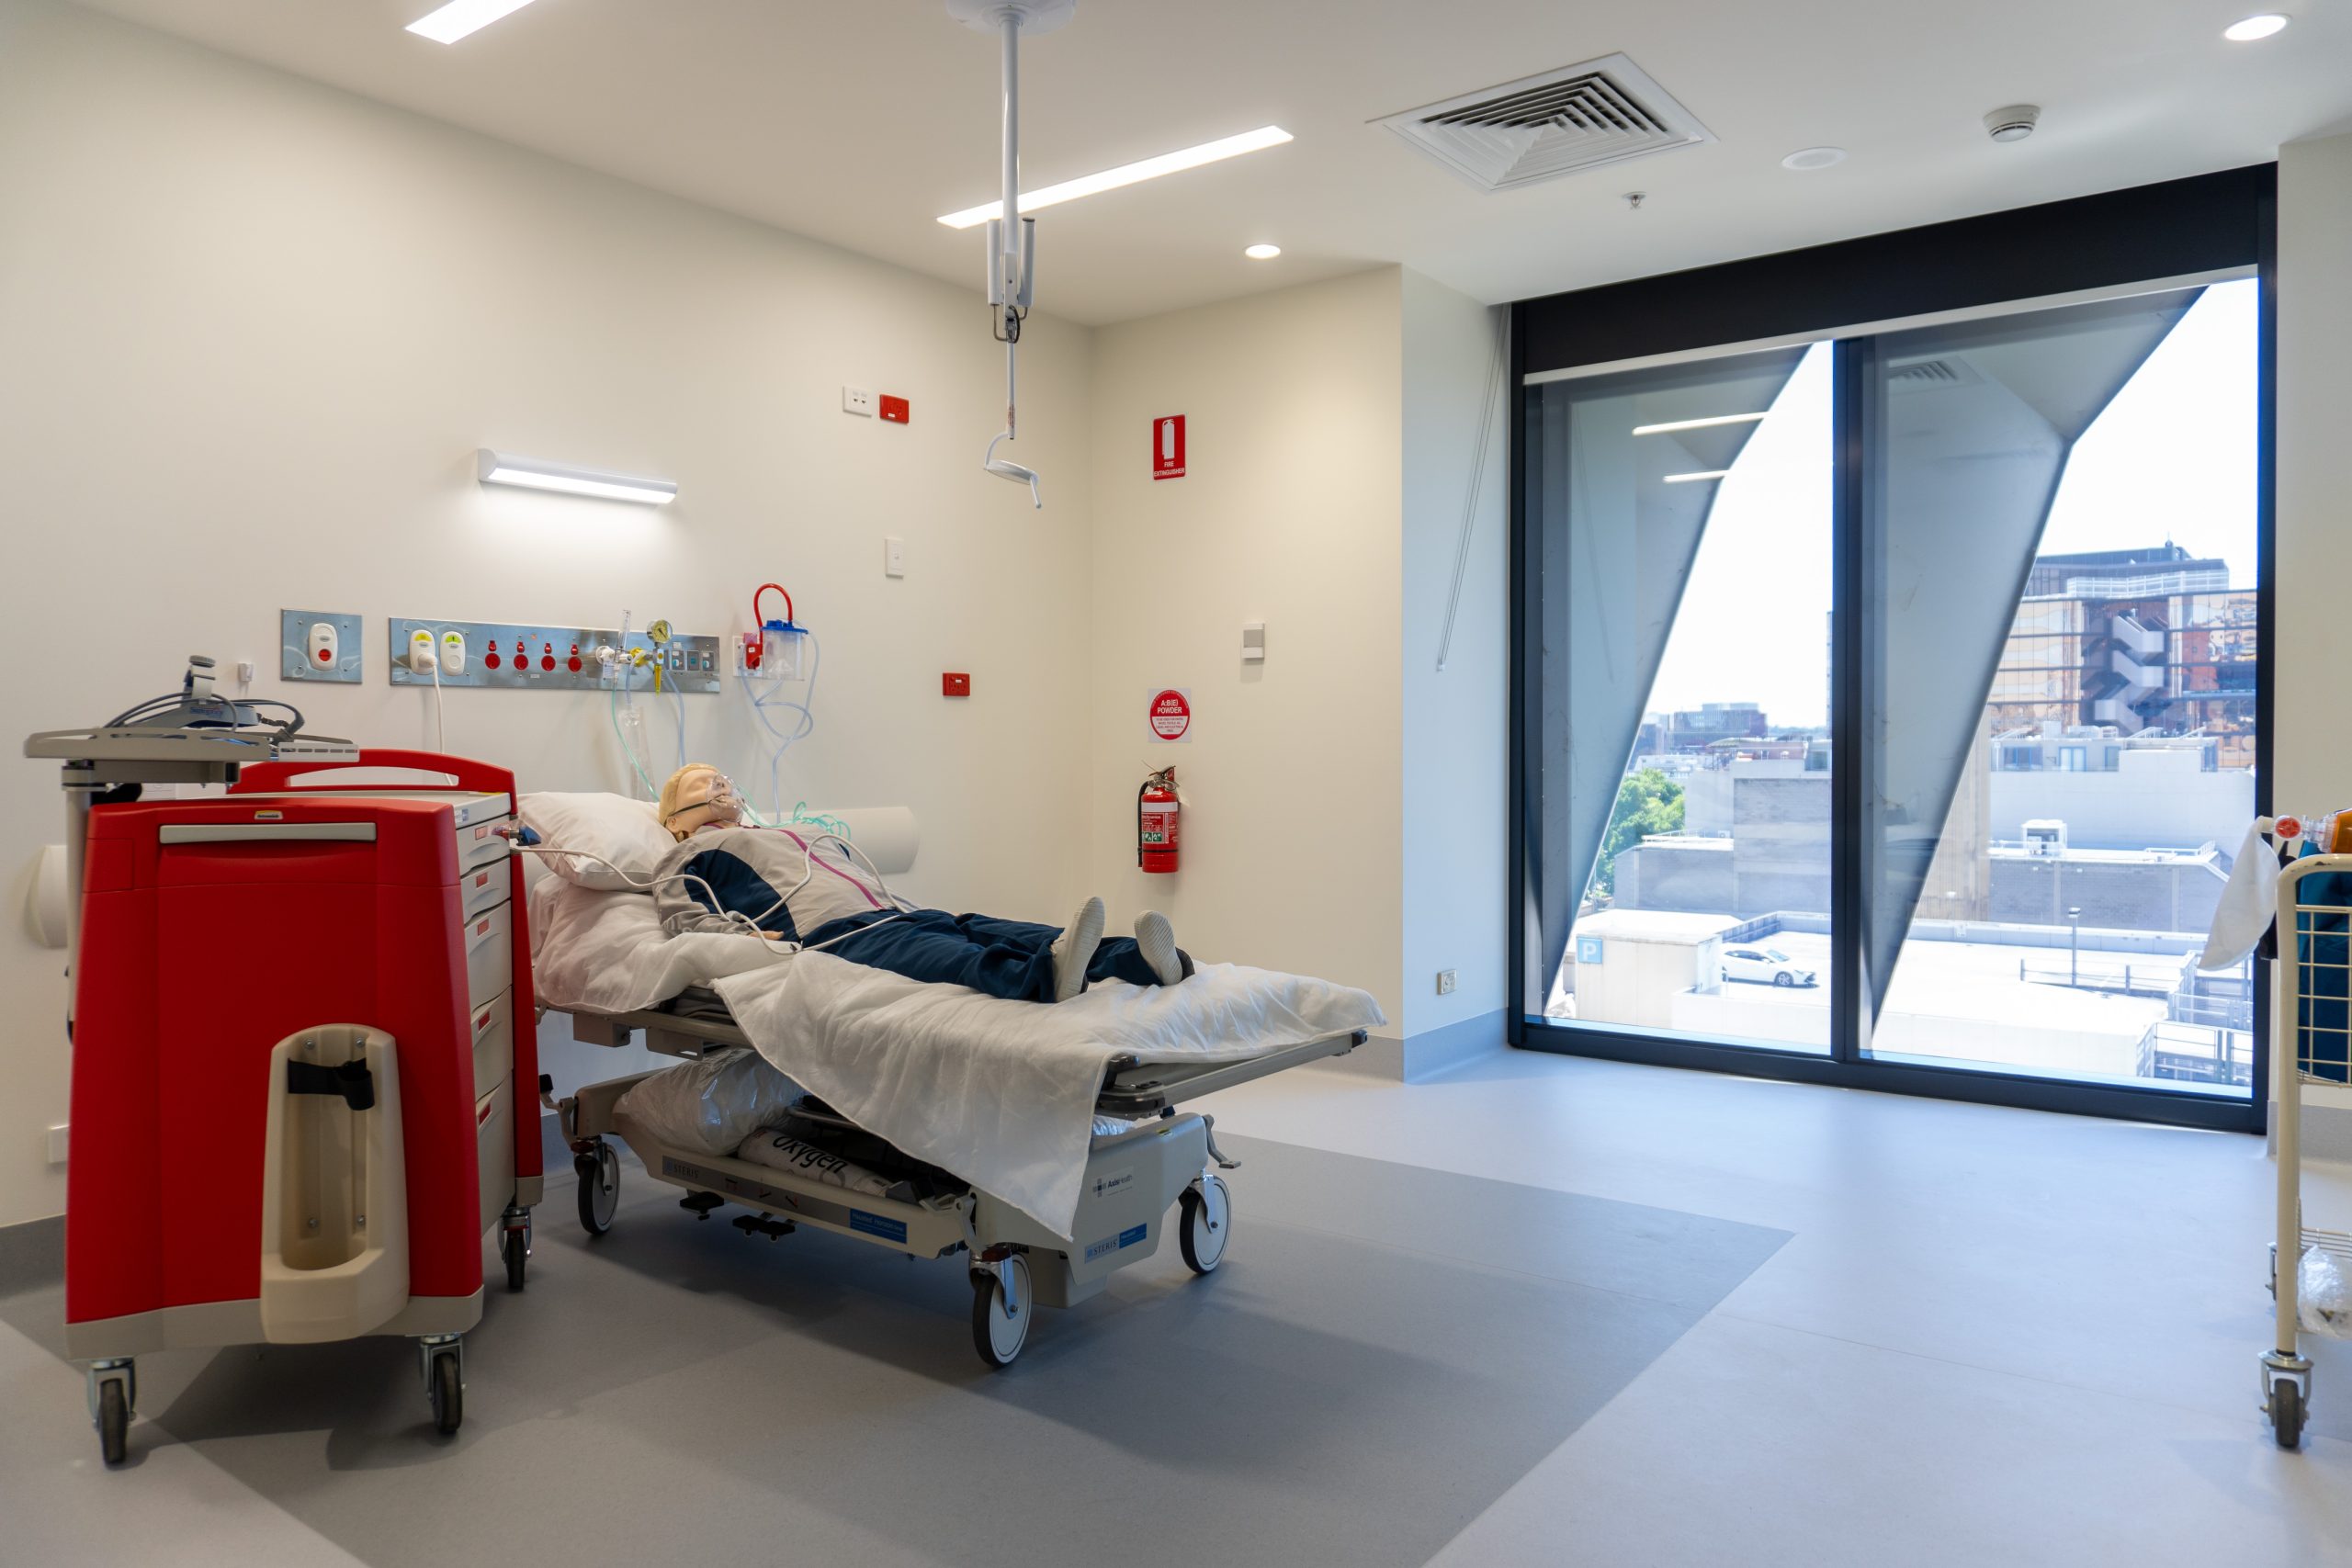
(1134, 1089)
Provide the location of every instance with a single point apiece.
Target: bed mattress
(1000, 1093)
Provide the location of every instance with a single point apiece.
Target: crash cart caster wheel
(2287, 1412)
(600, 1187)
(1206, 1224)
(448, 1394)
(113, 1421)
(1001, 1308)
(515, 1253)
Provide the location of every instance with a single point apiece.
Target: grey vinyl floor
(1541, 1311)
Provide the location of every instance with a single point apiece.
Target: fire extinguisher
(1157, 831)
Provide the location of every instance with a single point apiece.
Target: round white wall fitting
(1035, 16)
(2013, 123)
(1814, 158)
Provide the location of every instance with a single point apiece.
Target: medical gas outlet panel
(562, 659)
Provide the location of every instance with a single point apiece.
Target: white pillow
(610, 827)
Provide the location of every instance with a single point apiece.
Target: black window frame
(2119, 240)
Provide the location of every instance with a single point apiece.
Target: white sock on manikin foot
(1074, 949)
(1157, 939)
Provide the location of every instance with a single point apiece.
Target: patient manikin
(805, 887)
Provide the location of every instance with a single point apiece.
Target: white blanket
(1002, 1093)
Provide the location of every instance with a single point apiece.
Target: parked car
(1765, 966)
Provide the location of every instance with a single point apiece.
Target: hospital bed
(1147, 1158)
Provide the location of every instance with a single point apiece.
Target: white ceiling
(859, 121)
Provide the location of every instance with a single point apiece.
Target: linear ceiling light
(1697, 423)
(1695, 479)
(458, 17)
(1126, 174)
(538, 473)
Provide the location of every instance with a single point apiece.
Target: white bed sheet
(1002, 1093)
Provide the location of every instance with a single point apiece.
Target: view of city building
(2111, 778)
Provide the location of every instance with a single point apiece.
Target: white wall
(1455, 843)
(1288, 513)
(253, 330)
(2313, 751)
(1345, 801)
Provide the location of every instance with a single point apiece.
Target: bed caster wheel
(1001, 1308)
(600, 1187)
(1206, 1224)
(2287, 1413)
(111, 1391)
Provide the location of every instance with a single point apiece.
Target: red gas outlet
(954, 685)
(894, 410)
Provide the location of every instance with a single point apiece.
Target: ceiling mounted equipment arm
(1012, 239)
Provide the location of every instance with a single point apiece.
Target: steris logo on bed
(1124, 1239)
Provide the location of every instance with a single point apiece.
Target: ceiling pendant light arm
(1012, 243)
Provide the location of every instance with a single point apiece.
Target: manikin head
(698, 796)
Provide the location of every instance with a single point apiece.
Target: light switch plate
(894, 557)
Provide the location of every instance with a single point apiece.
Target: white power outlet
(858, 401)
(1446, 982)
(57, 1143)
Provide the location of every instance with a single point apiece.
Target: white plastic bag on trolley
(2323, 1293)
(710, 1104)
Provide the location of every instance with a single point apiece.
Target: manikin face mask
(696, 796)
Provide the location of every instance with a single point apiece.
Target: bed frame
(1170, 1158)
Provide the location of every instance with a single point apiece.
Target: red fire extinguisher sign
(1168, 712)
(1168, 446)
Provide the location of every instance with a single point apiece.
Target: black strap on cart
(352, 1081)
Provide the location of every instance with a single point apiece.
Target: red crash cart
(302, 1012)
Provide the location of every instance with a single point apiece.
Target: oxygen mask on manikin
(696, 796)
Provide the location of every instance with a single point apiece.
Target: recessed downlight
(1261, 252)
(2255, 26)
(1814, 158)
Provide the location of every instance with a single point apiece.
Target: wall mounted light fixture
(570, 479)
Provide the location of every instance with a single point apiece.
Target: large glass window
(1686, 542)
(2071, 495)
(1889, 702)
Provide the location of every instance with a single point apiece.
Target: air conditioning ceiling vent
(1541, 128)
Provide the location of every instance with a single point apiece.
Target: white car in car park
(1766, 966)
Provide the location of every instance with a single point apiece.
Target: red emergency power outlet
(894, 410)
(954, 685)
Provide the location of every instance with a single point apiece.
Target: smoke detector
(2013, 123)
(1544, 127)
